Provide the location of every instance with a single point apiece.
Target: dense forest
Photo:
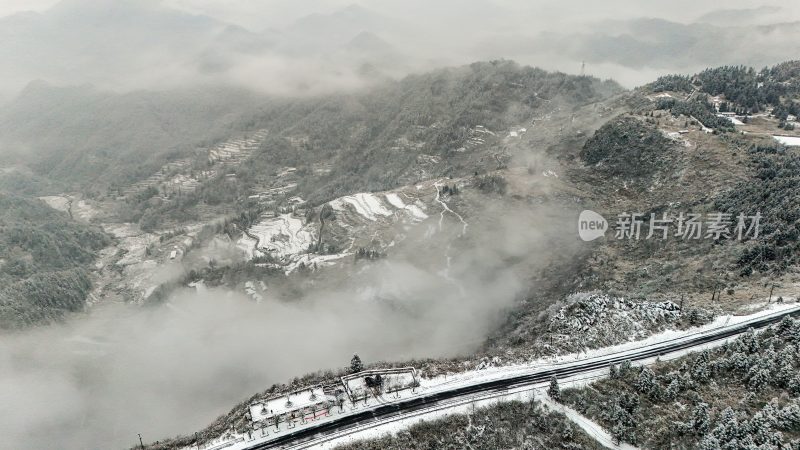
(627, 147)
(742, 395)
(44, 257)
(505, 425)
(775, 194)
(746, 90)
(698, 109)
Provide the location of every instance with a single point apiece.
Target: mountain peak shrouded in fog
(140, 44)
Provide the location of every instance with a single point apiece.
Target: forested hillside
(741, 395)
(83, 138)
(44, 258)
(400, 133)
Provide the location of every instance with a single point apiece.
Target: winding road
(378, 414)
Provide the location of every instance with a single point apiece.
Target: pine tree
(356, 365)
(789, 416)
(568, 434)
(646, 381)
(794, 385)
(700, 368)
(624, 368)
(709, 443)
(758, 379)
(785, 371)
(701, 420)
(554, 391)
(727, 428)
(613, 372)
(673, 390)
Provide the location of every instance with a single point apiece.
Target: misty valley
(495, 225)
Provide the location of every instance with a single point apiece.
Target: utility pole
(770, 293)
(680, 308)
(583, 68)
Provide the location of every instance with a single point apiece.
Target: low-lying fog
(97, 380)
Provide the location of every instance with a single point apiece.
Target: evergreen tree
(554, 391)
(673, 390)
(709, 443)
(789, 416)
(646, 381)
(758, 379)
(625, 368)
(356, 365)
(794, 385)
(701, 420)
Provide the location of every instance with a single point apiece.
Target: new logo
(591, 225)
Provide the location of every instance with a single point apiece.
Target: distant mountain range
(130, 44)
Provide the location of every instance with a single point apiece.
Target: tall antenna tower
(583, 68)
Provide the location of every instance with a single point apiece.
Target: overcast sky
(12, 6)
(257, 14)
(164, 48)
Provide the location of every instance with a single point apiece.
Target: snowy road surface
(458, 393)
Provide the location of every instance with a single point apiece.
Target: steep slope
(88, 139)
(44, 262)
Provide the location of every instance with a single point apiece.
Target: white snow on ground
(590, 427)
(279, 405)
(247, 245)
(733, 120)
(56, 202)
(667, 336)
(199, 286)
(83, 210)
(415, 211)
(366, 204)
(285, 238)
(357, 385)
(446, 208)
(702, 125)
(315, 261)
(280, 237)
(788, 140)
(448, 382)
(138, 270)
(516, 133)
(395, 200)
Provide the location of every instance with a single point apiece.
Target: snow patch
(791, 141)
(57, 202)
(395, 200)
(280, 237)
(415, 211)
(366, 204)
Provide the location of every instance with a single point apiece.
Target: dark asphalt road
(382, 412)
